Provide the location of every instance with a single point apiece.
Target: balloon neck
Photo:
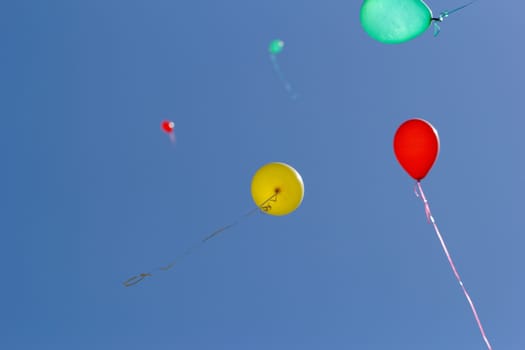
(443, 15)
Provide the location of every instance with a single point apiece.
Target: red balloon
(416, 145)
(167, 126)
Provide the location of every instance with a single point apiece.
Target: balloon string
(284, 81)
(427, 208)
(419, 189)
(264, 206)
(445, 14)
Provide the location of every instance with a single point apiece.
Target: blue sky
(95, 193)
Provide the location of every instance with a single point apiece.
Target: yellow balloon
(277, 189)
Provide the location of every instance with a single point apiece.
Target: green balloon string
(445, 14)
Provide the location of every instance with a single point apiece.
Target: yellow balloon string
(264, 206)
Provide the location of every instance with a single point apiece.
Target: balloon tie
(263, 206)
(421, 194)
(266, 206)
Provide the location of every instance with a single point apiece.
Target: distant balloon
(398, 21)
(416, 146)
(169, 128)
(276, 46)
(282, 181)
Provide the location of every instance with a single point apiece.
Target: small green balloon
(276, 46)
(395, 21)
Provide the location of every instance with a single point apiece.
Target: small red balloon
(167, 126)
(416, 145)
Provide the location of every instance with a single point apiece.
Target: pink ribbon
(419, 192)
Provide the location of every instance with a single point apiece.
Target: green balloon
(276, 46)
(395, 21)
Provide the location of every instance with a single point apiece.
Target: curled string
(421, 194)
(445, 14)
(264, 206)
